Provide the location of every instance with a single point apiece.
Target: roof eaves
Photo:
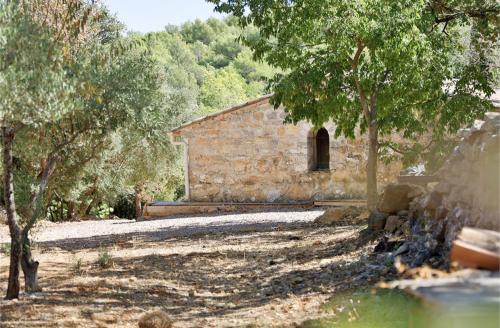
(225, 111)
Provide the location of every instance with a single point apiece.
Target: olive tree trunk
(30, 268)
(371, 170)
(10, 207)
(138, 201)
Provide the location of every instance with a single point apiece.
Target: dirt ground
(260, 275)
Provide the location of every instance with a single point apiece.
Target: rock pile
(342, 216)
(466, 194)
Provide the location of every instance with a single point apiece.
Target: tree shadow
(257, 278)
(163, 233)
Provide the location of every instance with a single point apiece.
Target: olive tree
(63, 90)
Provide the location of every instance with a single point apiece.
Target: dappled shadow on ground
(169, 232)
(209, 280)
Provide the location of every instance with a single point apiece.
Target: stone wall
(249, 155)
(470, 179)
(467, 194)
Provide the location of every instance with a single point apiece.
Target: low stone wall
(160, 210)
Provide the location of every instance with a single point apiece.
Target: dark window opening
(322, 150)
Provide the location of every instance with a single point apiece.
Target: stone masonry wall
(467, 194)
(249, 155)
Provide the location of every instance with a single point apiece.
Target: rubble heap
(428, 220)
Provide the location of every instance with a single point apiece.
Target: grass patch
(5, 248)
(104, 258)
(386, 308)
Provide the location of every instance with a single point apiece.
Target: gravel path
(97, 231)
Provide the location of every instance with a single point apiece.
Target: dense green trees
(85, 112)
(65, 92)
(203, 69)
(378, 65)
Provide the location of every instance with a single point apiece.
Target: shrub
(104, 259)
(102, 211)
(77, 266)
(124, 206)
(5, 248)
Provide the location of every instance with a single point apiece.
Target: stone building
(247, 154)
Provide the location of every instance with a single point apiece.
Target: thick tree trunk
(30, 268)
(371, 172)
(138, 201)
(10, 207)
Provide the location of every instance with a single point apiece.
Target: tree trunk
(71, 211)
(138, 201)
(93, 203)
(10, 207)
(371, 172)
(30, 268)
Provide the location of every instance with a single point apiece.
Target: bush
(104, 259)
(124, 206)
(5, 248)
(102, 211)
(77, 266)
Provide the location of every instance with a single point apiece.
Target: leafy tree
(223, 88)
(32, 57)
(67, 89)
(375, 65)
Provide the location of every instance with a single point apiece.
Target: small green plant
(5, 248)
(77, 266)
(104, 259)
(102, 211)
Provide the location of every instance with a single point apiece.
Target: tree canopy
(380, 66)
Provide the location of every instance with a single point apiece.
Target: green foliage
(102, 211)
(104, 258)
(355, 62)
(201, 68)
(77, 266)
(101, 105)
(124, 206)
(392, 308)
(216, 94)
(5, 249)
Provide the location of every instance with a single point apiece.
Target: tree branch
(354, 65)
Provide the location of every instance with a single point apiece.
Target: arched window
(319, 150)
(322, 150)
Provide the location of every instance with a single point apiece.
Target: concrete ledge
(341, 202)
(164, 209)
(422, 180)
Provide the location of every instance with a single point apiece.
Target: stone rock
(403, 213)
(406, 228)
(335, 214)
(491, 122)
(464, 133)
(155, 319)
(396, 197)
(441, 212)
(402, 249)
(393, 222)
(103, 317)
(432, 200)
(477, 125)
(376, 221)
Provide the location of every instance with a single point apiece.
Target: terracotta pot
(471, 256)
